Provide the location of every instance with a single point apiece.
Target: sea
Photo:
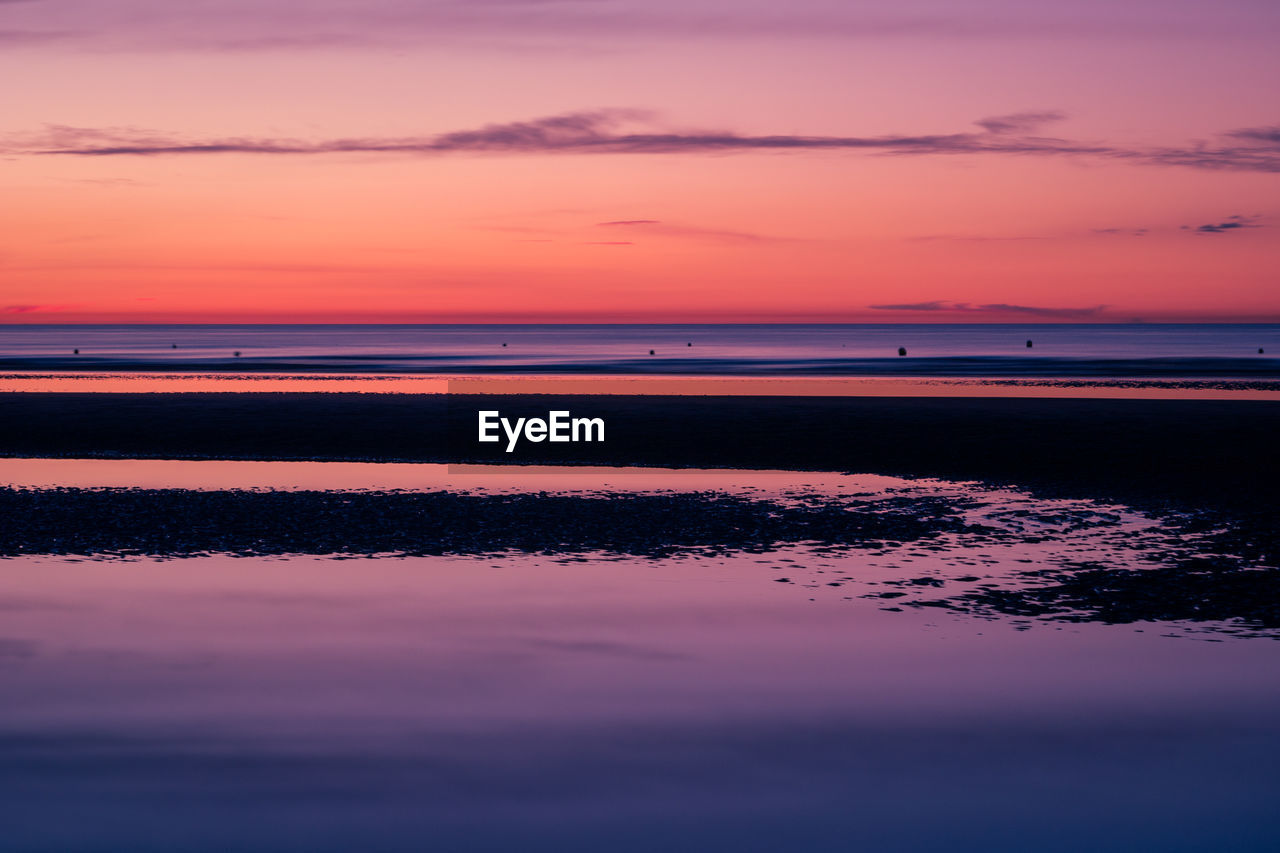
(1013, 350)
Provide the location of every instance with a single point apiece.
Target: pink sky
(600, 160)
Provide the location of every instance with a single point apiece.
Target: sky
(655, 161)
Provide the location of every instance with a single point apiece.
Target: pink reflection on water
(258, 647)
(495, 691)
(1217, 389)
(233, 474)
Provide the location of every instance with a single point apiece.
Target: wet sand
(182, 523)
(1196, 453)
(923, 544)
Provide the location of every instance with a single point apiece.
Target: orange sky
(394, 161)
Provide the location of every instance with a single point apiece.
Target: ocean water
(897, 693)
(714, 350)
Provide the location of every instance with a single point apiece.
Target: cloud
(974, 238)
(1020, 122)
(1264, 135)
(935, 305)
(630, 131)
(30, 309)
(1219, 228)
(1039, 311)
(992, 308)
(236, 25)
(668, 229)
(1232, 223)
(1123, 232)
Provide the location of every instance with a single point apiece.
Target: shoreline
(1189, 453)
(641, 385)
(673, 362)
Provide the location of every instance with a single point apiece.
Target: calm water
(838, 350)
(800, 697)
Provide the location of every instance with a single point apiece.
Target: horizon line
(1037, 322)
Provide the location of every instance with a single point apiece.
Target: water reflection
(306, 703)
(709, 384)
(907, 543)
(587, 698)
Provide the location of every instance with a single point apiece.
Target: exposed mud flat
(987, 553)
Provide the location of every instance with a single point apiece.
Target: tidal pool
(792, 688)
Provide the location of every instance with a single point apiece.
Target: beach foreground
(550, 654)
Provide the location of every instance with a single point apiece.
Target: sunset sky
(619, 160)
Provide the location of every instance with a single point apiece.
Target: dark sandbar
(1197, 453)
(182, 523)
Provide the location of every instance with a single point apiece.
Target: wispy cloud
(31, 309)
(1123, 232)
(944, 305)
(236, 25)
(672, 229)
(1231, 223)
(974, 238)
(933, 305)
(1020, 122)
(1039, 310)
(1263, 135)
(630, 131)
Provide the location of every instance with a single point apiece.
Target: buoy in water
(902, 350)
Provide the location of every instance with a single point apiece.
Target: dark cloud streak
(29, 309)
(1264, 135)
(1020, 122)
(943, 305)
(1232, 223)
(935, 305)
(609, 131)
